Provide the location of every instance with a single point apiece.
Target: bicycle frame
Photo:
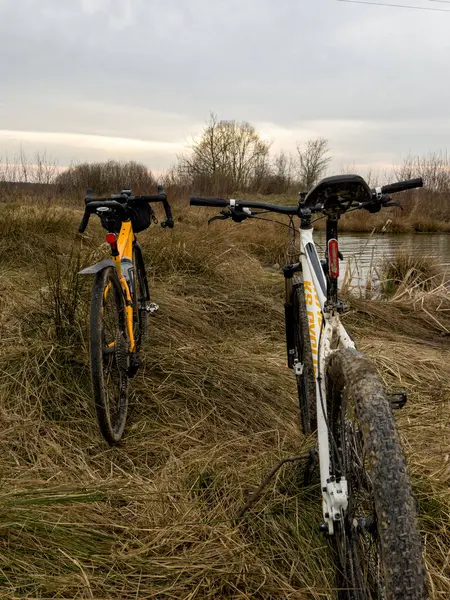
(125, 241)
(327, 334)
(121, 256)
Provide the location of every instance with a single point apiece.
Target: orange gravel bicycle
(120, 302)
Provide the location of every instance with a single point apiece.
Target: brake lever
(225, 215)
(240, 215)
(237, 215)
(372, 207)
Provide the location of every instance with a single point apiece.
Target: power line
(400, 5)
(441, 1)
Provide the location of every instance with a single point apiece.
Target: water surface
(363, 252)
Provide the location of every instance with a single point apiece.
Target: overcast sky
(135, 79)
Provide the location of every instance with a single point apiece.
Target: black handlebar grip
(84, 221)
(168, 210)
(169, 216)
(402, 186)
(202, 201)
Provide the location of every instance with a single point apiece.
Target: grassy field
(213, 410)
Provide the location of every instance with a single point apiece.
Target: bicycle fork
(334, 485)
(291, 317)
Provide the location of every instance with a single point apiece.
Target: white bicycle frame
(327, 334)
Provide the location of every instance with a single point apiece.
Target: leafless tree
(281, 177)
(434, 168)
(44, 168)
(21, 169)
(313, 161)
(227, 156)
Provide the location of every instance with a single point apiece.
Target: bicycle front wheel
(109, 355)
(377, 542)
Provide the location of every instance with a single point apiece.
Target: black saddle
(338, 189)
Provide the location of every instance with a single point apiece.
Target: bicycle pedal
(152, 308)
(397, 400)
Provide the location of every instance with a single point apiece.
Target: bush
(108, 177)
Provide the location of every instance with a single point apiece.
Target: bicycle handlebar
(375, 200)
(169, 217)
(84, 221)
(402, 186)
(221, 202)
(201, 201)
(120, 202)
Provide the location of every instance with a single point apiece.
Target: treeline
(227, 157)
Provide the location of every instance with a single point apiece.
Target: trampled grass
(214, 408)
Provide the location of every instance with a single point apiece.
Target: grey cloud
(154, 69)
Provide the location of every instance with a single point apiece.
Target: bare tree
(434, 168)
(313, 160)
(280, 178)
(228, 156)
(45, 169)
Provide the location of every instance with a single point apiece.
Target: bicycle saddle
(343, 188)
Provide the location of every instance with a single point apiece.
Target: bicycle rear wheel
(377, 543)
(109, 355)
(306, 382)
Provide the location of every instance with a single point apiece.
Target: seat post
(332, 283)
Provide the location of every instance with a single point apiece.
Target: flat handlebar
(295, 210)
(402, 186)
(221, 202)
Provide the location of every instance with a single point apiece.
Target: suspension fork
(289, 310)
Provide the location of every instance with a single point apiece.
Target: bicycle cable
(268, 220)
(291, 249)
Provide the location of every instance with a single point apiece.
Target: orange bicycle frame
(125, 241)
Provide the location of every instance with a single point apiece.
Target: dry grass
(406, 272)
(214, 408)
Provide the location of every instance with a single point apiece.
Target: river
(362, 251)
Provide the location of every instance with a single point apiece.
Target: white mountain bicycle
(368, 506)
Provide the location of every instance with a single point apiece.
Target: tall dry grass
(213, 409)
